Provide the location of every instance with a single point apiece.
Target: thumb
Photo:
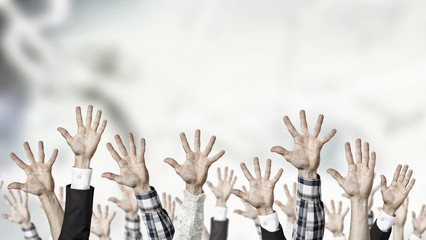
(336, 175)
(173, 164)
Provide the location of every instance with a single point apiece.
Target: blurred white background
(230, 68)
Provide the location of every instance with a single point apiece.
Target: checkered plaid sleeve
(370, 218)
(30, 233)
(310, 217)
(133, 230)
(155, 217)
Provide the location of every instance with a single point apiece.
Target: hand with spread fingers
(250, 211)
(128, 203)
(305, 155)
(289, 208)
(261, 193)
(401, 217)
(101, 225)
(19, 209)
(419, 222)
(133, 171)
(169, 205)
(40, 183)
(357, 185)
(87, 138)
(195, 169)
(224, 186)
(335, 219)
(394, 195)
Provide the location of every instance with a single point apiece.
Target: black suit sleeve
(278, 235)
(219, 229)
(377, 234)
(78, 214)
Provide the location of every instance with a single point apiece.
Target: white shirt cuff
(343, 237)
(414, 237)
(270, 222)
(220, 213)
(384, 221)
(81, 178)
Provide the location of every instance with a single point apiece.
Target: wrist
(132, 215)
(263, 211)
(291, 219)
(308, 174)
(194, 189)
(142, 188)
(26, 224)
(337, 234)
(104, 238)
(417, 233)
(388, 210)
(220, 202)
(81, 162)
(256, 220)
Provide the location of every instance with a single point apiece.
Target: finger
(112, 176)
(239, 194)
(178, 201)
(345, 212)
(185, 144)
(113, 153)
(279, 203)
(209, 147)
(65, 134)
(231, 176)
(327, 211)
(339, 209)
(294, 189)
(169, 202)
(197, 141)
(113, 199)
(290, 127)
(372, 163)
(287, 193)
(411, 185)
(333, 207)
(233, 181)
(413, 215)
(12, 196)
(246, 172)
(336, 175)
(244, 189)
(5, 216)
(403, 173)
(121, 146)
(95, 218)
(210, 185)
(219, 174)
(239, 212)
(366, 154)
(225, 177)
(52, 158)
(6, 199)
(99, 211)
(277, 176)
(18, 161)
(16, 185)
(348, 151)
(257, 168)
(303, 123)
(358, 153)
(78, 117)
(407, 178)
(282, 151)
(89, 116)
(97, 120)
(143, 145)
(19, 196)
(112, 216)
(267, 169)
(106, 211)
(40, 152)
(26, 199)
(422, 211)
(29, 153)
(329, 136)
(216, 157)
(374, 190)
(173, 164)
(164, 199)
(318, 125)
(396, 174)
(101, 129)
(383, 183)
(132, 145)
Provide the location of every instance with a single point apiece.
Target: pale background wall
(232, 69)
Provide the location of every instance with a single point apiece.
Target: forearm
(54, 213)
(398, 232)
(359, 219)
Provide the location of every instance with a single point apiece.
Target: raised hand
(419, 223)
(224, 186)
(335, 219)
(261, 193)
(101, 225)
(290, 207)
(133, 171)
(394, 195)
(169, 205)
(370, 198)
(195, 169)
(359, 180)
(250, 211)
(305, 155)
(19, 209)
(128, 203)
(87, 138)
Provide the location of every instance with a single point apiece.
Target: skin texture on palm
(133, 171)
(357, 185)
(335, 219)
(194, 170)
(40, 183)
(261, 193)
(370, 198)
(169, 205)
(101, 225)
(394, 195)
(401, 217)
(419, 223)
(19, 209)
(250, 211)
(86, 140)
(289, 208)
(129, 203)
(222, 190)
(305, 155)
